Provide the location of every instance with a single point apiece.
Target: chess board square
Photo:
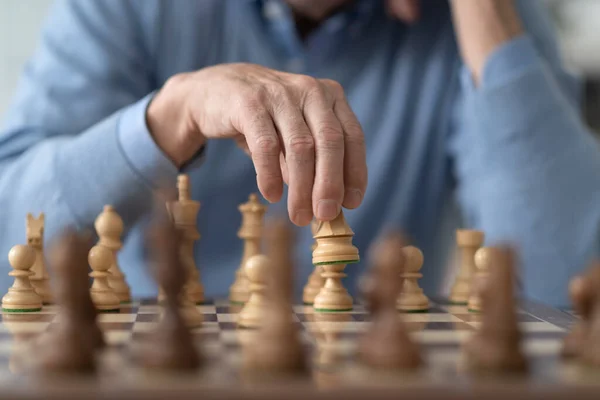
(441, 336)
(539, 347)
(207, 309)
(116, 326)
(227, 326)
(556, 335)
(228, 309)
(207, 327)
(476, 317)
(143, 326)
(320, 327)
(226, 317)
(210, 317)
(430, 317)
(110, 317)
(128, 309)
(147, 318)
(149, 309)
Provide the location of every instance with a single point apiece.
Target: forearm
(537, 181)
(70, 178)
(481, 27)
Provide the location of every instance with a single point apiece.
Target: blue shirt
(511, 157)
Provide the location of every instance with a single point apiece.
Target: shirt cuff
(139, 148)
(505, 64)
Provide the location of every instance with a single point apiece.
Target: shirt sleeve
(75, 137)
(527, 167)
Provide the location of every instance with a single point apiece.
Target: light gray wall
(20, 22)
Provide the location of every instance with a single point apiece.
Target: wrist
(170, 125)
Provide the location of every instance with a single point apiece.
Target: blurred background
(577, 22)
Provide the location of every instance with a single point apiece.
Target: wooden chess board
(330, 340)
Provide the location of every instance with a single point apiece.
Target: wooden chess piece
(278, 349)
(496, 346)
(21, 297)
(411, 297)
(70, 347)
(171, 346)
(334, 251)
(582, 298)
(387, 345)
(250, 232)
(184, 213)
(468, 242)
(258, 268)
(109, 227)
(35, 239)
(482, 263)
(104, 297)
(590, 346)
(315, 280)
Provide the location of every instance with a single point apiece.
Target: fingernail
(303, 217)
(327, 209)
(352, 198)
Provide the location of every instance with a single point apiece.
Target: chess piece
(582, 298)
(387, 345)
(250, 232)
(278, 349)
(496, 346)
(590, 330)
(184, 213)
(70, 346)
(468, 242)
(482, 263)
(104, 297)
(35, 239)
(258, 268)
(171, 346)
(109, 227)
(315, 280)
(411, 298)
(334, 251)
(21, 297)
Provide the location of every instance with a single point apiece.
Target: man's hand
(295, 128)
(481, 26)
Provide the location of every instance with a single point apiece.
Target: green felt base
(474, 311)
(116, 310)
(308, 304)
(415, 311)
(237, 303)
(126, 302)
(337, 262)
(327, 310)
(21, 310)
(458, 303)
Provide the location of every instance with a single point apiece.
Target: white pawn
(104, 297)
(257, 270)
(411, 297)
(482, 262)
(21, 297)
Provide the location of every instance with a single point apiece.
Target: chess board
(330, 341)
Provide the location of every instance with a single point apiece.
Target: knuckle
(267, 145)
(335, 87)
(330, 137)
(301, 144)
(307, 82)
